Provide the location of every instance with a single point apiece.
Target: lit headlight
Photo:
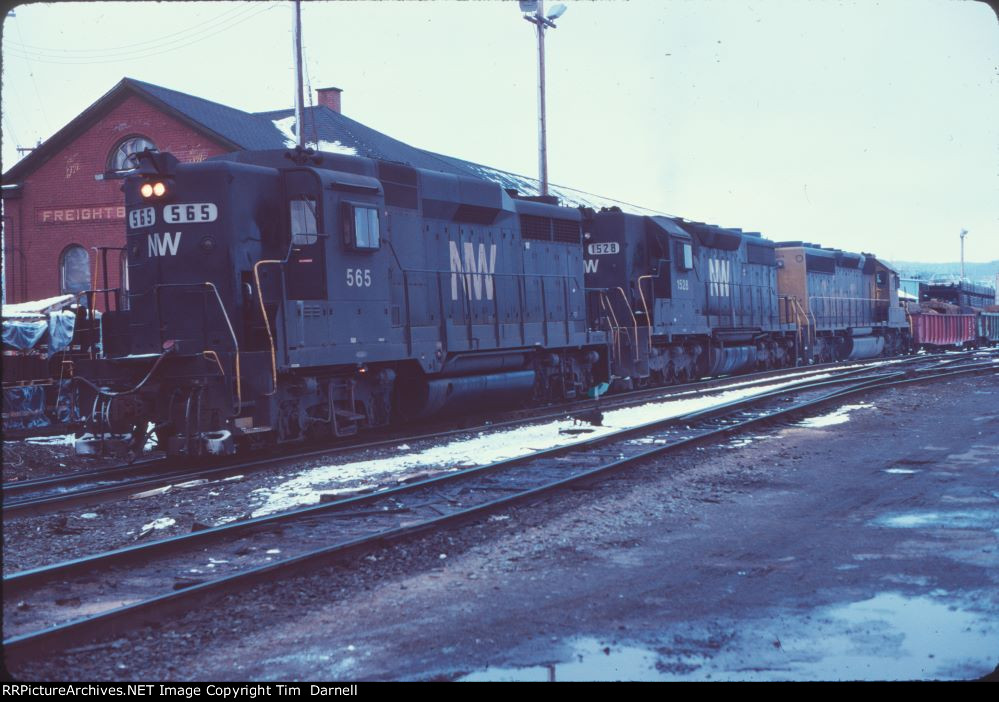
(157, 189)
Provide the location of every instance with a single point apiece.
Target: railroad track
(57, 493)
(43, 607)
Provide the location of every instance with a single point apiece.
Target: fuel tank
(866, 347)
(731, 359)
(462, 394)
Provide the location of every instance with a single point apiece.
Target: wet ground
(864, 545)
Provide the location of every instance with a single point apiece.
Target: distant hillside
(976, 272)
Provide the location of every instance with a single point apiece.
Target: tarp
(24, 407)
(61, 325)
(24, 335)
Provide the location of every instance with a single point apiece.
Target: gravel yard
(861, 546)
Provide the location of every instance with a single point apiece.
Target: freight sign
(84, 213)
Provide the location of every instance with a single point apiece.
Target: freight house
(58, 209)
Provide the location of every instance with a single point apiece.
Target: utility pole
(299, 101)
(541, 22)
(964, 233)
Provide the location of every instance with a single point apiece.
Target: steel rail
(116, 619)
(13, 583)
(32, 506)
(93, 495)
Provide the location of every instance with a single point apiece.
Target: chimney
(330, 97)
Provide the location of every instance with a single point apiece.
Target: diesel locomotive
(276, 296)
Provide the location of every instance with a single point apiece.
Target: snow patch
(61, 440)
(290, 140)
(485, 448)
(161, 523)
(838, 416)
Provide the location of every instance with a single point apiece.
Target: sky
(867, 126)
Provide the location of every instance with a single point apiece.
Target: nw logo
(590, 265)
(719, 273)
(474, 272)
(163, 244)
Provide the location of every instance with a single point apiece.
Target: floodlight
(557, 11)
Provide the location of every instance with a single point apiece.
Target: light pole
(964, 233)
(534, 13)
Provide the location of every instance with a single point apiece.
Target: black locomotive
(276, 296)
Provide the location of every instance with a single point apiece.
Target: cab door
(305, 272)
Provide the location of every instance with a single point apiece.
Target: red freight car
(943, 329)
(988, 327)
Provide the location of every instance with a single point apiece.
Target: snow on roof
(290, 140)
(334, 147)
(903, 295)
(570, 197)
(37, 308)
(284, 126)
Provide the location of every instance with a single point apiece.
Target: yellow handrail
(267, 324)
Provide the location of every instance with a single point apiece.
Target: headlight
(157, 189)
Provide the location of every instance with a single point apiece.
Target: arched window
(74, 270)
(122, 157)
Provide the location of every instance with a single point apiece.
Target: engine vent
(534, 227)
(567, 231)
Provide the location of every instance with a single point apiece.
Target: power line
(161, 50)
(10, 128)
(126, 47)
(31, 72)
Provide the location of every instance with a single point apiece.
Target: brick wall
(62, 204)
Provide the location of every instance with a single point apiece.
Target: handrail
(641, 294)
(267, 324)
(225, 314)
(634, 322)
(615, 327)
(235, 343)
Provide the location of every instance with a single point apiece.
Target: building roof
(326, 129)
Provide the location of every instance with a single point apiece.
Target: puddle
(887, 637)
(966, 519)
(589, 659)
(839, 416)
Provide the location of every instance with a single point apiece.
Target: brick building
(58, 211)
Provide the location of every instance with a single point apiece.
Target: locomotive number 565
(359, 277)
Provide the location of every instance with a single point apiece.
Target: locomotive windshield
(303, 221)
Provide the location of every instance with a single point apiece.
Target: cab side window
(684, 256)
(361, 230)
